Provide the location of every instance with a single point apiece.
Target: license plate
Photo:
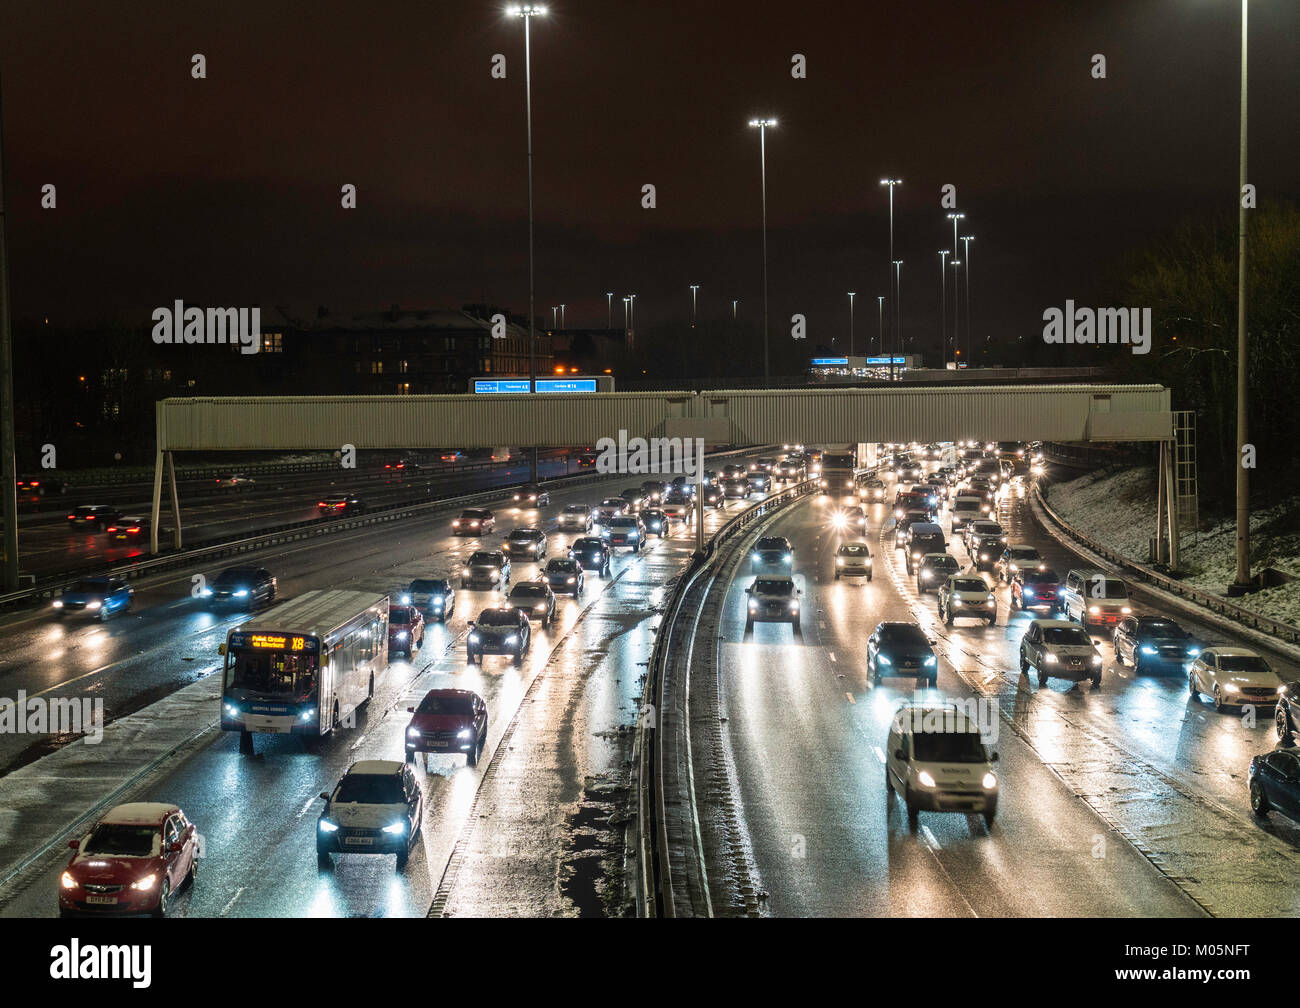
(101, 900)
(359, 841)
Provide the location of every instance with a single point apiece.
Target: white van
(936, 759)
(966, 510)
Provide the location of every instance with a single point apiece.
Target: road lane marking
(929, 838)
(850, 698)
(879, 754)
(831, 655)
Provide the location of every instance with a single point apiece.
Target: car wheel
(463, 584)
(947, 617)
(1192, 691)
(796, 627)
(1096, 681)
(1283, 724)
(913, 813)
(868, 578)
(164, 896)
(518, 659)
(1219, 705)
(193, 872)
(410, 755)
(837, 575)
(1042, 680)
(1119, 655)
(933, 681)
(324, 861)
(1024, 666)
(889, 783)
(749, 626)
(402, 857)
(471, 757)
(1258, 802)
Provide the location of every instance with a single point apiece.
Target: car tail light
(112, 528)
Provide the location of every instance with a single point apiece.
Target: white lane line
(849, 696)
(930, 841)
(831, 655)
(238, 892)
(821, 624)
(880, 755)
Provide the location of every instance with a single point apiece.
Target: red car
(1037, 590)
(136, 856)
(405, 630)
(448, 721)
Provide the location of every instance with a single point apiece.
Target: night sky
(225, 191)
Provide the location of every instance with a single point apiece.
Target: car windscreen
(399, 614)
(1242, 663)
(903, 635)
(482, 559)
(969, 585)
(854, 551)
(1104, 588)
(561, 567)
(769, 586)
(528, 591)
(1073, 636)
(123, 841)
(942, 562)
(474, 515)
(92, 585)
(436, 703)
(1040, 577)
(622, 523)
(613, 502)
(523, 535)
(948, 747)
(966, 505)
(237, 576)
(429, 587)
(498, 618)
(768, 543)
(370, 789)
(577, 509)
(1160, 628)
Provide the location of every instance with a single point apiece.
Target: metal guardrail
(1141, 572)
(292, 531)
(654, 896)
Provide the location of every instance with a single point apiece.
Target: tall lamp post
(880, 320)
(631, 303)
(965, 255)
(734, 302)
(893, 294)
(898, 328)
(762, 125)
(851, 295)
(562, 325)
(694, 288)
(1242, 578)
(955, 264)
(609, 309)
(528, 12)
(626, 327)
(943, 304)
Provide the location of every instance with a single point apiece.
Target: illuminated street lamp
(891, 182)
(966, 240)
(851, 295)
(943, 303)
(609, 309)
(880, 320)
(954, 264)
(898, 293)
(694, 288)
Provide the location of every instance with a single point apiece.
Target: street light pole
(631, 301)
(626, 301)
(762, 125)
(694, 288)
(898, 335)
(851, 293)
(956, 311)
(554, 312)
(733, 308)
(528, 12)
(880, 320)
(8, 449)
(891, 182)
(943, 305)
(609, 309)
(966, 240)
(562, 325)
(1243, 474)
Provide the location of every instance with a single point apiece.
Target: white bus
(304, 667)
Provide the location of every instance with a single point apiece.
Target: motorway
(523, 833)
(1129, 800)
(48, 545)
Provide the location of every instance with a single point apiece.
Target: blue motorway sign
(501, 385)
(566, 384)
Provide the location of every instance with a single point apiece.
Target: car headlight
(437, 603)
(930, 662)
(58, 603)
(145, 884)
(572, 580)
(464, 733)
(401, 635)
(794, 606)
(1050, 658)
(1193, 652)
(406, 600)
(752, 604)
(1230, 688)
(984, 557)
(395, 829)
(989, 782)
(94, 605)
(1094, 609)
(1148, 649)
(308, 714)
(413, 733)
(512, 639)
(991, 598)
(925, 575)
(789, 559)
(1125, 610)
(206, 593)
(1096, 659)
(465, 572)
(473, 637)
(839, 561)
(540, 607)
(68, 881)
(924, 779)
(883, 658)
(955, 601)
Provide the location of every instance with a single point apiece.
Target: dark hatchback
(592, 554)
(1149, 642)
(242, 588)
(901, 649)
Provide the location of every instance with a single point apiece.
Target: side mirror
(900, 753)
(993, 758)
(325, 795)
(469, 623)
(410, 710)
(75, 844)
(749, 590)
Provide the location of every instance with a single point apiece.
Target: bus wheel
(246, 743)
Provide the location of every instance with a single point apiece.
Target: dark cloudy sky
(225, 191)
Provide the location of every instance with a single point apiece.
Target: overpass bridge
(810, 415)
